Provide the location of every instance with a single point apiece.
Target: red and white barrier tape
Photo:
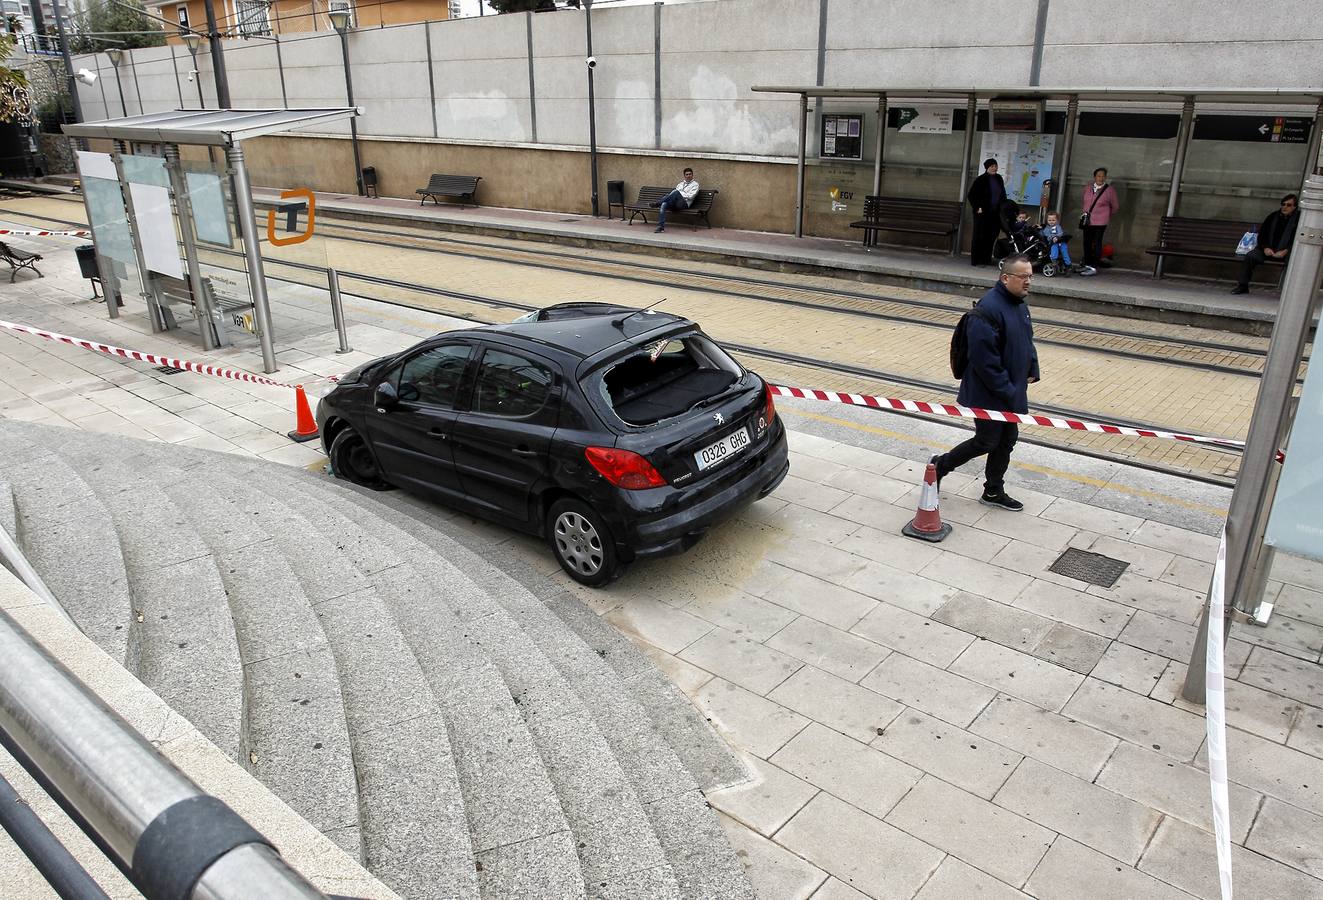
(1215, 713)
(966, 412)
(154, 359)
(45, 233)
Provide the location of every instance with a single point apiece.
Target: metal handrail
(13, 559)
(117, 786)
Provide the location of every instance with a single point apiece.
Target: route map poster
(1024, 162)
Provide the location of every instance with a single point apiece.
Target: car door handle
(437, 433)
(523, 451)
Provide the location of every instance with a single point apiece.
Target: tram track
(1187, 352)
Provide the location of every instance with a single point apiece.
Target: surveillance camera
(191, 74)
(86, 76)
(592, 62)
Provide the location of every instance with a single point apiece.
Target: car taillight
(624, 468)
(771, 405)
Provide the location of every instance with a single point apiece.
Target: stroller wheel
(1049, 270)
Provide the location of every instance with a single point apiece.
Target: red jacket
(1108, 204)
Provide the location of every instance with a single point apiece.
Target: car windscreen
(664, 379)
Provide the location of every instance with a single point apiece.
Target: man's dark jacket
(1278, 231)
(1001, 359)
(980, 194)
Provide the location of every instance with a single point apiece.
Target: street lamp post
(116, 57)
(193, 40)
(217, 57)
(340, 19)
(592, 108)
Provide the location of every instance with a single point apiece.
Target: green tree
(92, 27)
(15, 104)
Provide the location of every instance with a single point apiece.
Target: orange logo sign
(302, 236)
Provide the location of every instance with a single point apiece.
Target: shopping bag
(1248, 241)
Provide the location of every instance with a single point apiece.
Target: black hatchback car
(615, 433)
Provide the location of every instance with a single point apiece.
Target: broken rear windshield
(663, 380)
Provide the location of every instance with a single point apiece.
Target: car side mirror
(385, 397)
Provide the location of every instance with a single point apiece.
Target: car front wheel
(352, 460)
(582, 543)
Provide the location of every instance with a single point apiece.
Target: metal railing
(169, 838)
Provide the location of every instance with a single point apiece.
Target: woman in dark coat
(985, 198)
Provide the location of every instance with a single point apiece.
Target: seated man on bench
(680, 198)
(1275, 237)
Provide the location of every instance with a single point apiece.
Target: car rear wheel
(352, 460)
(582, 543)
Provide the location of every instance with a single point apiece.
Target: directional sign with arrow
(1265, 129)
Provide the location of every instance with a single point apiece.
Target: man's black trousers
(997, 440)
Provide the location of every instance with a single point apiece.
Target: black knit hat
(989, 162)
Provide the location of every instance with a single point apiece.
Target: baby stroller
(1022, 237)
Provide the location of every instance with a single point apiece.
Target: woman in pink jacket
(1099, 203)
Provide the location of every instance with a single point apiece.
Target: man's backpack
(960, 340)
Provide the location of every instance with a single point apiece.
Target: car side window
(434, 376)
(510, 386)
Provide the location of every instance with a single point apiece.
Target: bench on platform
(701, 206)
(1201, 239)
(461, 186)
(19, 259)
(912, 214)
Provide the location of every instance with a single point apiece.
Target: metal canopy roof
(214, 127)
(1240, 96)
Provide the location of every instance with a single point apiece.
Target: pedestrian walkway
(1181, 300)
(923, 721)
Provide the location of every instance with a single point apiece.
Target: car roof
(588, 335)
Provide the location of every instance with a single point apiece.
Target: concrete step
(414, 830)
(189, 654)
(8, 514)
(690, 835)
(512, 808)
(68, 537)
(615, 838)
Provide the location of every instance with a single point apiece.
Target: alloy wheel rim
(578, 543)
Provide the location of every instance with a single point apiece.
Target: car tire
(582, 543)
(351, 460)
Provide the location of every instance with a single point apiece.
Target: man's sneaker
(1240, 289)
(1002, 499)
(659, 228)
(932, 461)
(654, 204)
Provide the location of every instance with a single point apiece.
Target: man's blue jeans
(674, 200)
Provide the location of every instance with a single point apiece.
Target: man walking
(985, 197)
(680, 198)
(1002, 365)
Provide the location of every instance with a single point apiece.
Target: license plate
(723, 449)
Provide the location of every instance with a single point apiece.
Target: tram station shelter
(147, 204)
(1198, 152)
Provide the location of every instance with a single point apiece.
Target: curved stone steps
(68, 537)
(414, 830)
(8, 513)
(615, 836)
(691, 837)
(513, 809)
(188, 654)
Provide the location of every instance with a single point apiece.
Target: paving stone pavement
(929, 721)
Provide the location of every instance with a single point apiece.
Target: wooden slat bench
(912, 214)
(1201, 239)
(19, 259)
(461, 186)
(701, 206)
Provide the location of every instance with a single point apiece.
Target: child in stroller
(1059, 253)
(1022, 236)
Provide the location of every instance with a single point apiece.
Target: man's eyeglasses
(1019, 276)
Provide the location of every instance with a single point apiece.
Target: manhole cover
(168, 370)
(1091, 567)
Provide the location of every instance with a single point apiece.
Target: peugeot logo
(720, 419)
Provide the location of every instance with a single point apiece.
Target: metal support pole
(799, 166)
(881, 144)
(592, 105)
(252, 251)
(119, 84)
(971, 125)
(68, 68)
(1312, 164)
(1067, 145)
(1177, 169)
(1252, 497)
(353, 120)
(337, 309)
(184, 209)
(159, 320)
(48, 856)
(217, 57)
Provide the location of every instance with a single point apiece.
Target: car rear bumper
(651, 529)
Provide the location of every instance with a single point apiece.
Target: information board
(924, 119)
(1024, 161)
(842, 137)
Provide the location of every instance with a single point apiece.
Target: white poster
(155, 220)
(1024, 161)
(925, 119)
(1295, 524)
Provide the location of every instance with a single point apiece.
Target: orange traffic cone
(305, 427)
(927, 523)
